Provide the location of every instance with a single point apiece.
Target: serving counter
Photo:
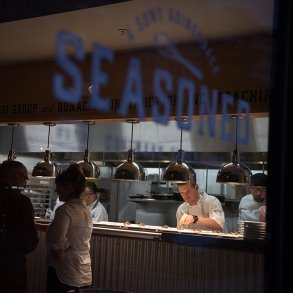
(141, 258)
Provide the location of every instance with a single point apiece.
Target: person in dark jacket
(18, 234)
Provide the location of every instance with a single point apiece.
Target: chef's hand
(185, 220)
(262, 214)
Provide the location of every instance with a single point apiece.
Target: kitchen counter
(191, 237)
(142, 259)
(153, 200)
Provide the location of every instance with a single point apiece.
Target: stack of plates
(241, 228)
(254, 230)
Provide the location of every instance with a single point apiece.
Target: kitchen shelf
(41, 192)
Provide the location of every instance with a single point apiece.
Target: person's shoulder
(209, 199)
(16, 195)
(101, 206)
(182, 205)
(206, 196)
(66, 207)
(246, 197)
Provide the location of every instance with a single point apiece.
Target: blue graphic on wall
(133, 90)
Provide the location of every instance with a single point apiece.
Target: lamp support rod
(236, 134)
(235, 157)
(12, 136)
(181, 139)
(88, 135)
(48, 143)
(131, 135)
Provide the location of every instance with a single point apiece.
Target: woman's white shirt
(71, 230)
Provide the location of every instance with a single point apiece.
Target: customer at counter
(91, 196)
(18, 234)
(68, 236)
(250, 204)
(199, 210)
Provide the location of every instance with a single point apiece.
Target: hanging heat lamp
(89, 168)
(130, 170)
(46, 168)
(234, 173)
(11, 153)
(179, 172)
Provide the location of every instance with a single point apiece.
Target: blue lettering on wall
(161, 112)
(133, 96)
(243, 107)
(133, 90)
(99, 77)
(147, 18)
(226, 101)
(205, 109)
(61, 91)
(185, 84)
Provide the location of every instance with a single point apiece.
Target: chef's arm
(207, 222)
(211, 223)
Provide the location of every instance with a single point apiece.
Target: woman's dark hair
(10, 170)
(74, 177)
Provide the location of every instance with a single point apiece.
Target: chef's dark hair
(92, 186)
(74, 177)
(259, 179)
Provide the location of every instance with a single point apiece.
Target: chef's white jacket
(98, 211)
(249, 209)
(207, 206)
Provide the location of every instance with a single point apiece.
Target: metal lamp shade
(128, 171)
(179, 172)
(46, 168)
(234, 173)
(90, 169)
(143, 173)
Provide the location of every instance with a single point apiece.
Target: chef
(251, 204)
(91, 196)
(199, 210)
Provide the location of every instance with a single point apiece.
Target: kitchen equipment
(89, 168)
(179, 172)
(234, 172)
(130, 170)
(11, 154)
